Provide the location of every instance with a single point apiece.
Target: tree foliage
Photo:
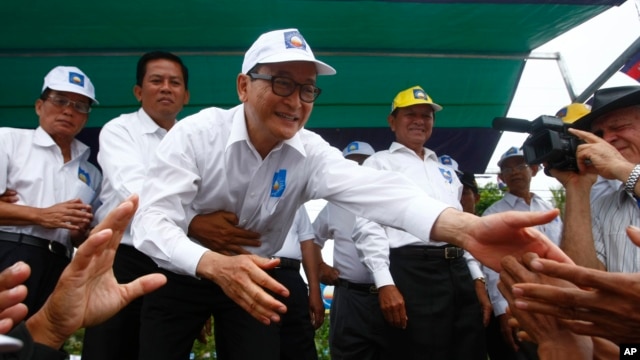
(489, 194)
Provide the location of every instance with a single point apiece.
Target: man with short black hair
(126, 144)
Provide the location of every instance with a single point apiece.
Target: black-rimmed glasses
(284, 86)
(61, 101)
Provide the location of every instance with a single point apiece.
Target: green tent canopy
(468, 55)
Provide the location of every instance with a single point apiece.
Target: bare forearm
(311, 260)
(577, 238)
(14, 214)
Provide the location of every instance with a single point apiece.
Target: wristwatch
(481, 279)
(630, 185)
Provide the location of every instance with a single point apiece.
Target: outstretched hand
(601, 304)
(492, 237)
(243, 280)
(12, 293)
(87, 292)
(547, 331)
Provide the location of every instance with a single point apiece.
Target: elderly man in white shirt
(429, 291)
(55, 188)
(256, 161)
(517, 174)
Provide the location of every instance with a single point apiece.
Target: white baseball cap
(358, 148)
(281, 46)
(512, 152)
(71, 79)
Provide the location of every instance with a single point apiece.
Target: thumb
(634, 234)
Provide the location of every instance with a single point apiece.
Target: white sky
(587, 51)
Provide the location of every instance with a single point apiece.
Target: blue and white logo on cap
(353, 146)
(419, 94)
(294, 40)
(76, 78)
(512, 151)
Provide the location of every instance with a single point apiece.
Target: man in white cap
(256, 161)
(408, 270)
(517, 175)
(356, 319)
(55, 185)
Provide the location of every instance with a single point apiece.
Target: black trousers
(296, 331)
(444, 314)
(119, 337)
(46, 268)
(173, 316)
(357, 328)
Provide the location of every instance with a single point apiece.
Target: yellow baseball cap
(573, 112)
(413, 96)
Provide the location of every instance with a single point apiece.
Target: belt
(368, 288)
(53, 246)
(288, 263)
(439, 252)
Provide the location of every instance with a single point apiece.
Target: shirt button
(244, 221)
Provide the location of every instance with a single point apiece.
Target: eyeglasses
(510, 170)
(284, 86)
(61, 101)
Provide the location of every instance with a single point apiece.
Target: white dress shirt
(126, 146)
(334, 222)
(300, 231)
(439, 181)
(208, 163)
(31, 163)
(553, 230)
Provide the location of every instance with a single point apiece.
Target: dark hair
(141, 70)
(45, 94)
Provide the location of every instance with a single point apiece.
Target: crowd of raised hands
(572, 309)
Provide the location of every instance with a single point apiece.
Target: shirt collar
(78, 149)
(396, 146)
(512, 199)
(147, 124)
(239, 132)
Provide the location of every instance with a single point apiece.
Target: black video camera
(549, 141)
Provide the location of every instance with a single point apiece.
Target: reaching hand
(243, 280)
(599, 303)
(87, 292)
(547, 331)
(12, 293)
(219, 232)
(490, 238)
